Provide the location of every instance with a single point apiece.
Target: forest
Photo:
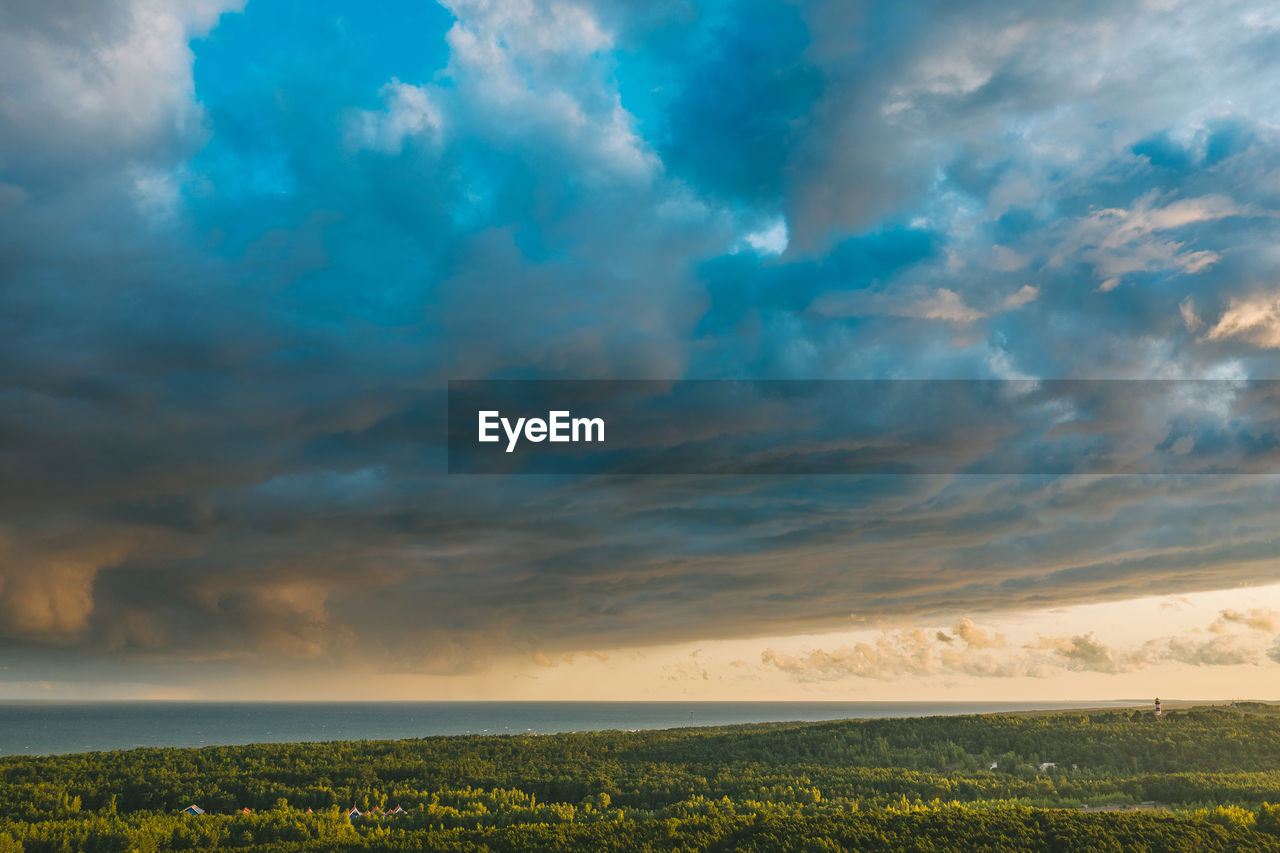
(1202, 778)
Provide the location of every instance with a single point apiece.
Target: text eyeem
(559, 426)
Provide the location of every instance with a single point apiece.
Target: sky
(244, 246)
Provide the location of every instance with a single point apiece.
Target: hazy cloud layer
(242, 250)
(969, 650)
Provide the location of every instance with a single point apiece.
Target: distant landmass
(1196, 778)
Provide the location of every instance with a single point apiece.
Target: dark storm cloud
(240, 260)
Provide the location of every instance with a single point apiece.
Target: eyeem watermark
(1051, 427)
(558, 427)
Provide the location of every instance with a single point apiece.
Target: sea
(47, 728)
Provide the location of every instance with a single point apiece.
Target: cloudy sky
(244, 246)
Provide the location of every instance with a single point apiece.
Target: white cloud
(960, 67)
(410, 112)
(520, 68)
(1254, 320)
(918, 302)
(1255, 619)
(529, 29)
(1028, 293)
(943, 304)
(156, 192)
(1005, 259)
(1121, 241)
(1190, 319)
(117, 74)
(770, 240)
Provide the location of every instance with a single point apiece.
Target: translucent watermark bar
(1043, 427)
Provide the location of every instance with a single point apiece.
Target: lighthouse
(1158, 711)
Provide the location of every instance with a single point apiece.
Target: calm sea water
(42, 728)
